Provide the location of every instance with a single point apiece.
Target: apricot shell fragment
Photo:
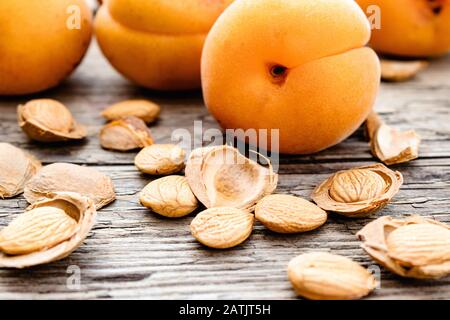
(16, 168)
(390, 145)
(223, 177)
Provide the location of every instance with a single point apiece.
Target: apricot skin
(37, 49)
(157, 44)
(410, 28)
(330, 80)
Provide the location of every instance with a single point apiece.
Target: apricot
(41, 42)
(299, 66)
(157, 44)
(411, 28)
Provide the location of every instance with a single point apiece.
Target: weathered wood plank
(132, 253)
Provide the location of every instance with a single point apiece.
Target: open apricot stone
(299, 66)
(49, 230)
(48, 120)
(358, 192)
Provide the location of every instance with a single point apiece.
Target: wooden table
(133, 253)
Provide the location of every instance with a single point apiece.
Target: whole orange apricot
(157, 44)
(41, 42)
(299, 66)
(410, 28)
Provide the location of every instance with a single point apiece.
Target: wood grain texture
(133, 253)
